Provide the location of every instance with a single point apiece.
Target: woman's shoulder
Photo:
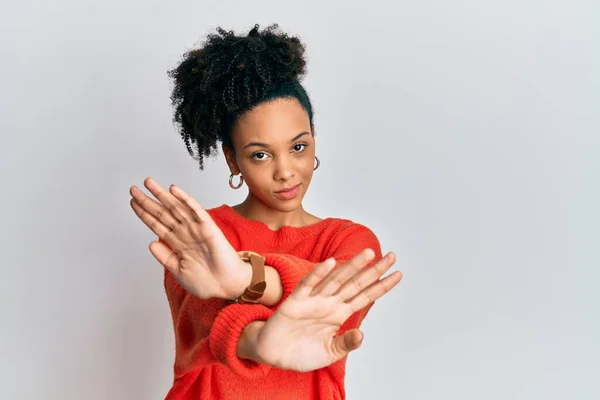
(217, 210)
(344, 228)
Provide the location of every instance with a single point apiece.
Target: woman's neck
(254, 209)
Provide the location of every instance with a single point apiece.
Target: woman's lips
(288, 194)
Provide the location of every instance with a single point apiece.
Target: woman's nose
(283, 170)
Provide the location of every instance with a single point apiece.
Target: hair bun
(269, 50)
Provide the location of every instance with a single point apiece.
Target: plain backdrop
(465, 134)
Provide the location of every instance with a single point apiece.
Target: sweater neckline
(285, 233)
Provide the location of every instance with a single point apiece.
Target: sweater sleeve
(226, 332)
(208, 331)
(292, 269)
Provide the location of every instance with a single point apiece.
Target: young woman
(266, 298)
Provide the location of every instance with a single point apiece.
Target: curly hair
(229, 75)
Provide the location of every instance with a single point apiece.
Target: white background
(464, 133)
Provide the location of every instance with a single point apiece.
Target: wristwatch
(258, 284)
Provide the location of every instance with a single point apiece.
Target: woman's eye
(259, 156)
(299, 146)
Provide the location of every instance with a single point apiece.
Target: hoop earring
(318, 163)
(239, 185)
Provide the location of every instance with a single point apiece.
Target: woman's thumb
(164, 254)
(349, 341)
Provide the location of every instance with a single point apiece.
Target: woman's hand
(301, 334)
(196, 253)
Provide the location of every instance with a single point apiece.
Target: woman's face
(275, 153)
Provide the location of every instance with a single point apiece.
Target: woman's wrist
(246, 347)
(274, 289)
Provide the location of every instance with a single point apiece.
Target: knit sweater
(206, 366)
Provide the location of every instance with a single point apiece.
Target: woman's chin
(286, 205)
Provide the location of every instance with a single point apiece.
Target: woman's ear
(230, 159)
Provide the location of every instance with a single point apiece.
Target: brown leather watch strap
(258, 284)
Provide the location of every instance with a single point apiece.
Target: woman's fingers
(375, 291)
(148, 207)
(363, 279)
(335, 279)
(190, 202)
(306, 285)
(154, 224)
(169, 202)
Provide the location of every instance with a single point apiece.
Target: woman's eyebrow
(260, 144)
(299, 136)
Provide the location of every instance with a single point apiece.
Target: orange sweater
(207, 331)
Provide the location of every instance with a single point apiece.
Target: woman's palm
(301, 334)
(191, 246)
(206, 264)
